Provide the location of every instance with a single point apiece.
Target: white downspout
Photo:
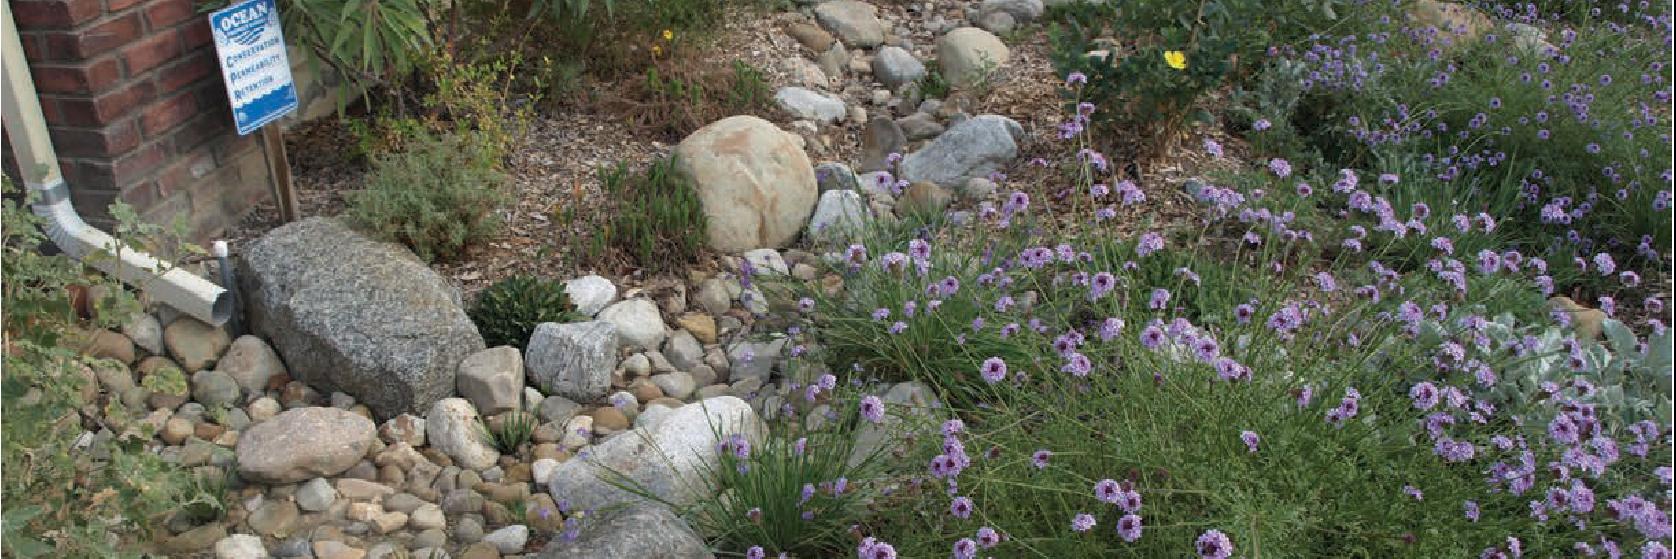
(27, 130)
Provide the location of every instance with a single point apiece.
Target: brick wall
(133, 96)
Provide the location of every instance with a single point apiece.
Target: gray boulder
(251, 362)
(754, 360)
(590, 293)
(856, 23)
(303, 443)
(646, 530)
(910, 406)
(666, 460)
(493, 379)
(975, 147)
(683, 351)
(968, 55)
(357, 316)
(839, 214)
(572, 360)
(638, 322)
(454, 428)
(834, 176)
(1022, 11)
(880, 138)
(895, 67)
(214, 389)
(809, 104)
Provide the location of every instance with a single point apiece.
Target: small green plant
(437, 197)
(69, 492)
(166, 380)
(659, 221)
(507, 312)
(510, 431)
(934, 85)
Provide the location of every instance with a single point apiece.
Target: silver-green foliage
(440, 195)
(1630, 382)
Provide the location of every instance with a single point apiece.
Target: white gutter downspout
(27, 131)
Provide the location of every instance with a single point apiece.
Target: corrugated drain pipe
(27, 131)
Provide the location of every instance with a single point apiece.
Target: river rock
(572, 360)
(590, 293)
(638, 322)
(453, 427)
(251, 362)
(856, 23)
(303, 443)
(493, 380)
(967, 55)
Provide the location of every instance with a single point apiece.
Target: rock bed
(360, 432)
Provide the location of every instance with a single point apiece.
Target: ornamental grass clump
(1308, 368)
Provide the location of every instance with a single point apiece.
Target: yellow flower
(1176, 59)
(668, 35)
(657, 50)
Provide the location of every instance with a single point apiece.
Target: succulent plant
(507, 312)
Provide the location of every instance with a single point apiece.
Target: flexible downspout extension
(26, 129)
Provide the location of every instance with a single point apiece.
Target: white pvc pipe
(27, 131)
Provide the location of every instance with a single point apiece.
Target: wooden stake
(279, 168)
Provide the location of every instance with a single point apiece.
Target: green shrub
(1497, 126)
(657, 220)
(1181, 51)
(73, 488)
(437, 197)
(507, 312)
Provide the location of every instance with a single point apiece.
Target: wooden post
(279, 168)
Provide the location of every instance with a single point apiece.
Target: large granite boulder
(665, 458)
(974, 148)
(357, 316)
(754, 181)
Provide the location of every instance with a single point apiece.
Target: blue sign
(253, 63)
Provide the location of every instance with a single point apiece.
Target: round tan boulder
(302, 444)
(753, 179)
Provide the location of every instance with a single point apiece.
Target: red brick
(168, 113)
(142, 196)
(184, 170)
(150, 52)
(104, 109)
(196, 34)
(85, 43)
(208, 125)
(113, 6)
(165, 13)
(34, 46)
(140, 163)
(130, 169)
(93, 202)
(185, 72)
(96, 142)
(92, 77)
(53, 14)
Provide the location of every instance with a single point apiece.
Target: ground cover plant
(78, 484)
(1351, 351)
